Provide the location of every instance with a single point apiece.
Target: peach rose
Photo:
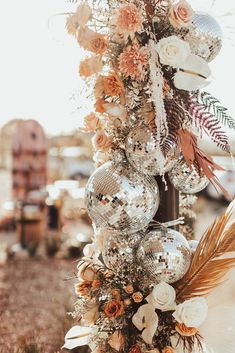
(99, 105)
(181, 14)
(113, 86)
(137, 297)
(129, 289)
(114, 308)
(168, 349)
(91, 123)
(117, 341)
(92, 41)
(183, 330)
(127, 302)
(90, 66)
(82, 288)
(101, 141)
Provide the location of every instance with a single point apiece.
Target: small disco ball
(193, 244)
(143, 154)
(186, 179)
(205, 36)
(118, 253)
(165, 255)
(120, 198)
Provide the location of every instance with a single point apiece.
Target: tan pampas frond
(211, 261)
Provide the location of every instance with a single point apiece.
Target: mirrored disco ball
(142, 152)
(118, 253)
(186, 179)
(193, 245)
(205, 36)
(120, 198)
(165, 255)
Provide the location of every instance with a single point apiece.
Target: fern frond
(213, 106)
(208, 123)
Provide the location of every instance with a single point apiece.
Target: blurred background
(45, 162)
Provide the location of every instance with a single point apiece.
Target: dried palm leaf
(193, 155)
(211, 261)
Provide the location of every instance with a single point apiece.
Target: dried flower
(135, 349)
(128, 20)
(86, 273)
(137, 297)
(96, 284)
(91, 123)
(129, 289)
(133, 60)
(181, 14)
(83, 13)
(114, 308)
(91, 315)
(186, 331)
(116, 110)
(113, 86)
(82, 288)
(99, 105)
(72, 24)
(90, 66)
(168, 349)
(116, 293)
(101, 141)
(99, 87)
(117, 341)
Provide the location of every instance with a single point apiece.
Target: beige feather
(211, 261)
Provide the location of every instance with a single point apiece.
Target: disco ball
(186, 179)
(118, 253)
(143, 154)
(165, 255)
(193, 245)
(205, 36)
(120, 198)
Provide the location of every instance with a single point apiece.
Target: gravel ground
(34, 301)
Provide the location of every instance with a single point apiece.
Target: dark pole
(169, 202)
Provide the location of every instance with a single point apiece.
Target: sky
(39, 63)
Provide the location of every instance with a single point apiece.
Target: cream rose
(181, 14)
(192, 312)
(173, 51)
(162, 297)
(83, 14)
(101, 141)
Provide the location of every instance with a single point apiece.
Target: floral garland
(147, 72)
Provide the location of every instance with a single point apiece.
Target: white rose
(192, 312)
(162, 297)
(173, 51)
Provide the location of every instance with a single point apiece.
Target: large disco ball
(186, 179)
(165, 255)
(143, 154)
(119, 253)
(205, 36)
(120, 198)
